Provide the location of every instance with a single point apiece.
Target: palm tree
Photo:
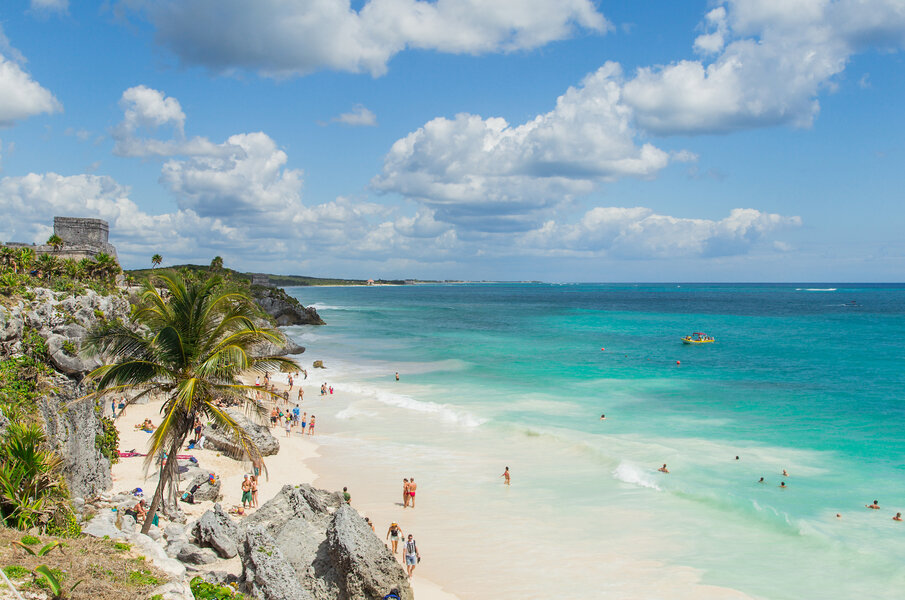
(217, 264)
(106, 267)
(48, 265)
(195, 341)
(70, 267)
(24, 258)
(8, 257)
(55, 241)
(156, 260)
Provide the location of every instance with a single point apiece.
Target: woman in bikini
(412, 487)
(394, 534)
(311, 426)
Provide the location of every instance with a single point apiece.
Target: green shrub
(122, 546)
(30, 540)
(16, 572)
(202, 590)
(30, 482)
(63, 523)
(70, 348)
(108, 441)
(143, 577)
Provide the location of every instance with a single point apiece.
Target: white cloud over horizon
(279, 38)
(359, 116)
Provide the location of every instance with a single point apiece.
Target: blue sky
(560, 140)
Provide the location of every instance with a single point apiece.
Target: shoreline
(290, 465)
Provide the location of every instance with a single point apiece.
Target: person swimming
(761, 480)
(874, 506)
(603, 417)
(783, 485)
(663, 469)
(898, 517)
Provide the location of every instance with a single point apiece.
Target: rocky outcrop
(71, 429)
(362, 563)
(331, 551)
(208, 490)
(266, 572)
(221, 440)
(283, 308)
(217, 531)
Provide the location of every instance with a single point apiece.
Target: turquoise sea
(807, 378)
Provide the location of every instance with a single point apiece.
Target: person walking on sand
(393, 534)
(505, 476)
(311, 426)
(301, 394)
(412, 488)
(412, 556)
(246, 493)
(304, 422)
(405, 493)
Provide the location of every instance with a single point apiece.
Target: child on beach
(288, 426)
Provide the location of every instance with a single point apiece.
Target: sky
(553, 140)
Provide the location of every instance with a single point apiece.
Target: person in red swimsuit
(412, 487)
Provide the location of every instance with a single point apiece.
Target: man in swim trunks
(412, 487)
(246, 493)
(405, 493)
(304, 422)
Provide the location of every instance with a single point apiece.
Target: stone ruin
(82, 238)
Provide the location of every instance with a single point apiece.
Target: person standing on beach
(311, 426)
(412, 487)
(301, 394)
(304, 422)
(288, 426)
(347, 496)
(393, 534)
(505, 476)
(295, 415)
(254, 490)
(246, 493)
(412, 556)
(405, 493)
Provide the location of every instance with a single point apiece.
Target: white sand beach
(288, 466)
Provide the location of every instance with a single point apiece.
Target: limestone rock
(207, 491)
(174, 590)
(283, 308)
(174, 531)
(215, 529)
(218, 439)
(192, 554)
(318, 364)
(103, 525)
(365, 566)
(265, 571)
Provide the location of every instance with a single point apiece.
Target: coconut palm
(156, 260)
(55, 241)
(70, 267)
(195, 341)
(106, 267)
(217, 264)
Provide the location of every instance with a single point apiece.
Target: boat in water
(697, 338)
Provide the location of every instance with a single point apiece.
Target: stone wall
(76, 231)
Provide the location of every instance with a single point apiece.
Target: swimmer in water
(505, 475)
(761, 480)
(898, 517)
(785, 473)
(783, 485)
(663, 469)
(603, 417)
(874, 506)
(736, 457)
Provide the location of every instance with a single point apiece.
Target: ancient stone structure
(260, 279)
(82, 238)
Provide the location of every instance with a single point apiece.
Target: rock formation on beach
(283, 308)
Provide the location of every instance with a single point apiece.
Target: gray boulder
(218, 439)
(216, 530)
(192, 554)
(174, 531)
(207, 491)
(103, 525)
(366, 569)
(265, 571)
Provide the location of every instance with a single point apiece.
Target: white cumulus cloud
(489, 176)
(281, 38)
(359, 116)
(20, 95)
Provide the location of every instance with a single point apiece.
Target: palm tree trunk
(165, 474)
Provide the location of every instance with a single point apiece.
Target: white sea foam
(320, 306)
(446, 413)
(634, 475)
(815, 289)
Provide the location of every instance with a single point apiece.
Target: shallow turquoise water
(801, 379)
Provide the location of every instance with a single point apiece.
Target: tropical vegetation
(21, 268)
(193, 339)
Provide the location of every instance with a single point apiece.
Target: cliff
(283, 308)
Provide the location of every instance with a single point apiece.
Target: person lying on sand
(146, 425)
